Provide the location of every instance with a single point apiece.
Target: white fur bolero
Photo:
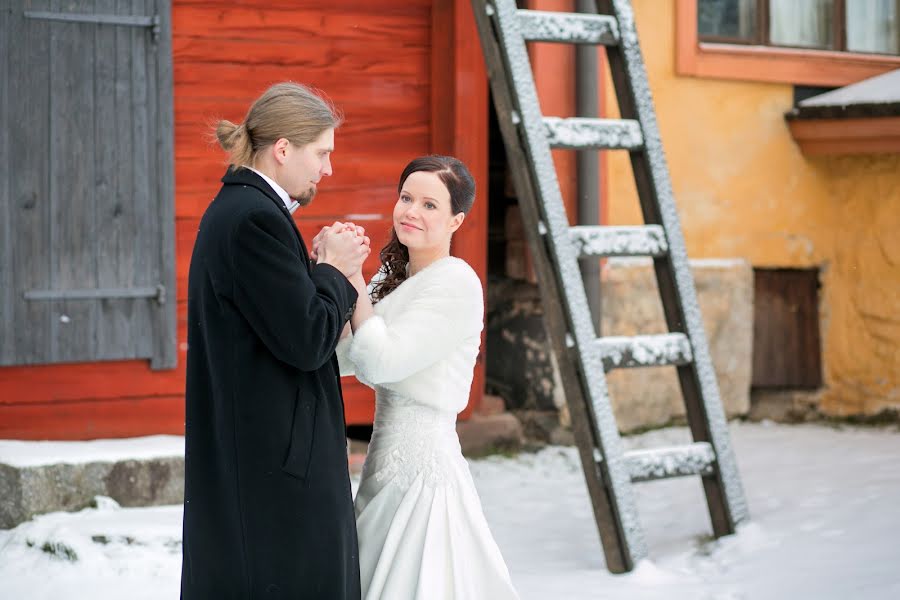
(423, 340)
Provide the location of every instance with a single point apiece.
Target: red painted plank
(128, 416)
(200, 15)
(92, 419)
(459, 122)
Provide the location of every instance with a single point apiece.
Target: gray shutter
(86, 182)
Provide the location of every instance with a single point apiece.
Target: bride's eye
(404, 198)
(430, 205)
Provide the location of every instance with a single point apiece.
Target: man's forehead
(325, 141)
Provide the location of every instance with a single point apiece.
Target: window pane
(804, 23)
(727, 18)
(872, 26)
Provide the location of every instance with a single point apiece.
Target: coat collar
(235, 176)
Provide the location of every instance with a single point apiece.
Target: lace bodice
(410, 440)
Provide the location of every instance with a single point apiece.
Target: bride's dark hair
(459, 182)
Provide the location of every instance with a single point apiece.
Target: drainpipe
(586, 102)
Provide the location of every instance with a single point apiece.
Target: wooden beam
(459, 127)
(846, 136)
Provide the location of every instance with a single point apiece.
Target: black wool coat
(268, 511)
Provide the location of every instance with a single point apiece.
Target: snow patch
(19, 453)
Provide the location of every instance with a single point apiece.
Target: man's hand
(337, 226)
(342, 248)
(317, 241)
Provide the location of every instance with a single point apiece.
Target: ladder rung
(569, 28)
(621, 352)
(677, 461)
(633, 240)
(582, 133)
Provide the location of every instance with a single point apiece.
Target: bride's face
(423, 215)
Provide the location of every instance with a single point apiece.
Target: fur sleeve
(446, 308)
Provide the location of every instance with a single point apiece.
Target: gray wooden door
(86, 182)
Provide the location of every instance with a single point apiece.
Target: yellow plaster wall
(744, 189)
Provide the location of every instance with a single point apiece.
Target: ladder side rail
(619, 545)
(723, 489)
(554, 317)
(567, 271)
(570, 284)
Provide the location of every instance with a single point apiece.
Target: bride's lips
(409, 227)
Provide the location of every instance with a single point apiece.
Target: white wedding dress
(422, 532)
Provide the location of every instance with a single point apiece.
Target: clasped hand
(345, 246)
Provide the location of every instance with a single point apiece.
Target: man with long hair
(268, 511)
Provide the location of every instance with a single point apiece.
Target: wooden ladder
(556, 248)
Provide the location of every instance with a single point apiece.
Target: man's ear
(457, 221)
(280, 150)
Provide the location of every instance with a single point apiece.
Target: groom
(268, 510)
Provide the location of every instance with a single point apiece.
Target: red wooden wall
(409, 78)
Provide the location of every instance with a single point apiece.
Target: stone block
(631, 306)
(521, 367)
(32, 490)
(490, 405)
(480, 435)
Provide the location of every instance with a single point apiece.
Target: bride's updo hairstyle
(459, 182)
(285, 110)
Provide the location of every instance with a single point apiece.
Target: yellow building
(820, 203)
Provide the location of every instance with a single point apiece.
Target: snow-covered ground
(824, 502)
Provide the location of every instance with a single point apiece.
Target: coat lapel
(247, 177)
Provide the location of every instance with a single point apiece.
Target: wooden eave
(846, 135)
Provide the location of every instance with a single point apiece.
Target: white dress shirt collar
(278, 189)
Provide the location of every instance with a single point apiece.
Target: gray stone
(785, 406)
(33, 490)
(482, 435)
(562, 436)
(538, 425)
(146, 482)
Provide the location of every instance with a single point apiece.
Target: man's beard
(306, 197)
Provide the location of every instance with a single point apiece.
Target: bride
(415, 334)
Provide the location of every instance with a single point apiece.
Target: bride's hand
(359, 282)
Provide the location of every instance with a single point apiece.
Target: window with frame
(854, 26)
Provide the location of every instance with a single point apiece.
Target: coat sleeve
(297, 315)
(446, 310)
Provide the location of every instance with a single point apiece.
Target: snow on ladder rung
(620, 352)
(676, 461)
(583, 133)
(567, 28)
(635, 240)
